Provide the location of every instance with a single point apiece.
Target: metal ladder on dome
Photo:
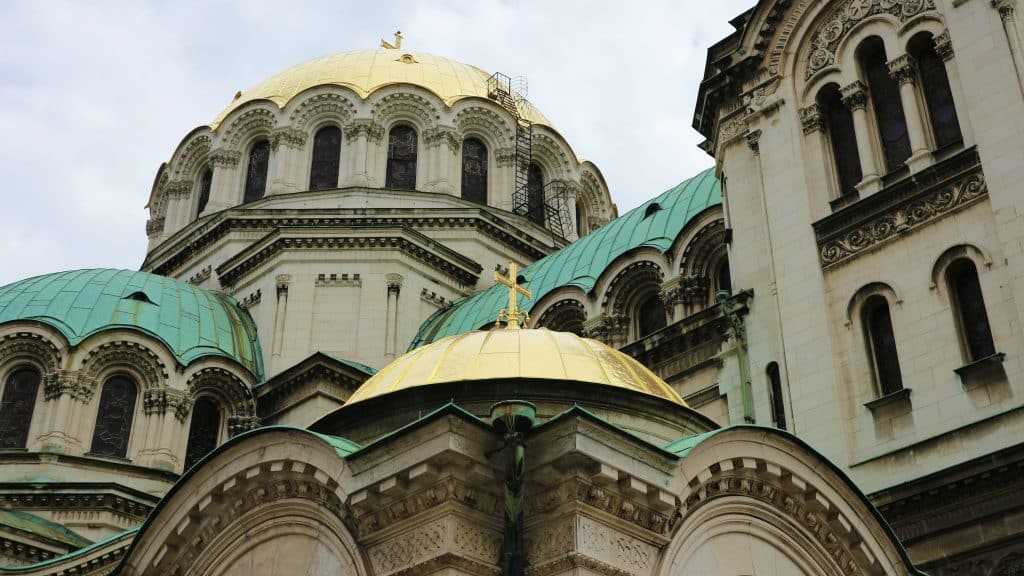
(511, 95)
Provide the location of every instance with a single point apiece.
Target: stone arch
(419, 111)
(981, 258)
(192, 153)
(318, 105)
(252, 121)
(596, 201)
(799, 501)
(481, 121)
(856, 302)
(119, 356)
(230, 391)
(565, 314)
(248, 485)
(27, 347)
(552, 155)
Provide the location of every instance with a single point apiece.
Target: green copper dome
(192, 322)
(655, 224)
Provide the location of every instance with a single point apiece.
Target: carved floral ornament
(841, 19)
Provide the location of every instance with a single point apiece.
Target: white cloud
(94, 96)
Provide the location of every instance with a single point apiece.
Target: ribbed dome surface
(509, 354)
(364, 71)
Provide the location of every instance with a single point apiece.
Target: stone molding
(178, 188)
(223, 158)
(163, 400)
(252, 299)
(252, 121)
(373, 131)
(136, 358)
(235, 396)
(154, 226)
(201, 276)
(837, 23)
(811, 119)
(289, 137)
(399, 104)
(903, 207)
(434, 299)
(339, 280)
(440, 135)
(329, 104)
(29, 346)
(561, 314)
(627, 281)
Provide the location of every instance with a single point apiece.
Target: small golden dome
(501, 354)
(364, 71)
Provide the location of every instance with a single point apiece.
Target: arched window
(938, 96)
(474, 171)
(885, 99)
(323, 174)
(882, 345)
(723, 278)
(16, 407)
(969, 307)
(775, 396)
(205, 182)
(839, 126)
(580, 215)
(651, 315)
(535, 193)
(256, 175)
(401, 172)
(114, 417)
(203, 431)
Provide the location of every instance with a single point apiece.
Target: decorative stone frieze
(240, 424)
(434, 299)
(327, 104)
(29, 346)
(163, 400)
(223, 158)
(944, 45)
(201, 276)
(440, 135)
(289, 137)
(252, 299)
(811, 119)
(903, 69)
(154, 226)
(373, 131)
(130, 356)
(70, 382)
(855, 95)
(505, 157)
(910, 204)
(178, 188)
(843, 16)
(335, 279)
(252, 121)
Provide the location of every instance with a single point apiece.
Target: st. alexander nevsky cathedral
(390, 323)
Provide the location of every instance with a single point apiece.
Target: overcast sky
(95, 95)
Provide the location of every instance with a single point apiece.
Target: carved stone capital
(944, 46)
(283, 280)
(239, 424)
(694, 289)
(222, 158)
(753, 141)
(903, 69)
(442, 135)
(289, 137)
(671, 292)
(505, 156)
(394, 282)
(1006, 8)
(811, 119)
(855, 95)
(70, 382)
(373, 131)
(163, 400)
(154, 226)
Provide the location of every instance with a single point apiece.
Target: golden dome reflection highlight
(497, 354)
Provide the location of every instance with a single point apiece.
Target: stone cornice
(414, 244)
(900, 208)
(286, 389)
(119, 500)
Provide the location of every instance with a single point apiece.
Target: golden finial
(398, 42)
(512, 316)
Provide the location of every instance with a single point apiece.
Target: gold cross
(511, 316)
(398, 42)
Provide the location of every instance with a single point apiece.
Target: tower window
(885, 99)
(535, 193)
(839, 127)
(203, 431)
(323, 173)
(401, 172)
(205, 183)
(16, 407)
(882, 345)
(938, 96)
(474, 171)
(114, 417)
(723, 278)
(969, 306)
(651, 315)
(775, 396)
(256, 175)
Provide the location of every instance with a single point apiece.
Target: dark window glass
(883, 345)
(203, 431)
(651, 315)
(16, 406)
(775, 391)
(937, 95)
(535, 194)
(579, 219)
(970, 307)
(885, 99)
(256, 176)
(724, 277)
(114, 417)
(323, 174)
(401, 158)
(474, 171)
(204, 190)
(841, 135)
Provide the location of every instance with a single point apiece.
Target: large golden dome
(509, 354)
(364, 71)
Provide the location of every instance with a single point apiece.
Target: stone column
(442, 144)
(283, 280)
(855, 97)
(505, 161)
(391, 328)
(944, 48)
(223, 192)
(812, 122)
(178, 192)
(357, 133)
(1006, 9)
(672, 297)
(287, 144)
(64, 392)
(903, 70)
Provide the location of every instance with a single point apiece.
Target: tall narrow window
(401, 172)
(204, 191)
(839, 127)
(885, 99)
(323, 174)
(938, 96)
(882, 344)
(723, 278)
(256, 175)
(16, 407)
(203, 431)
(580, 215)
(775, 395)
(474, 171)
(651, 315)
(535, 193)
(969, 305)
(114, 417)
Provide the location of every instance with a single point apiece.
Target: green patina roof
(582, 262)
(41, 527)
(353, 364)
(192, 322)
